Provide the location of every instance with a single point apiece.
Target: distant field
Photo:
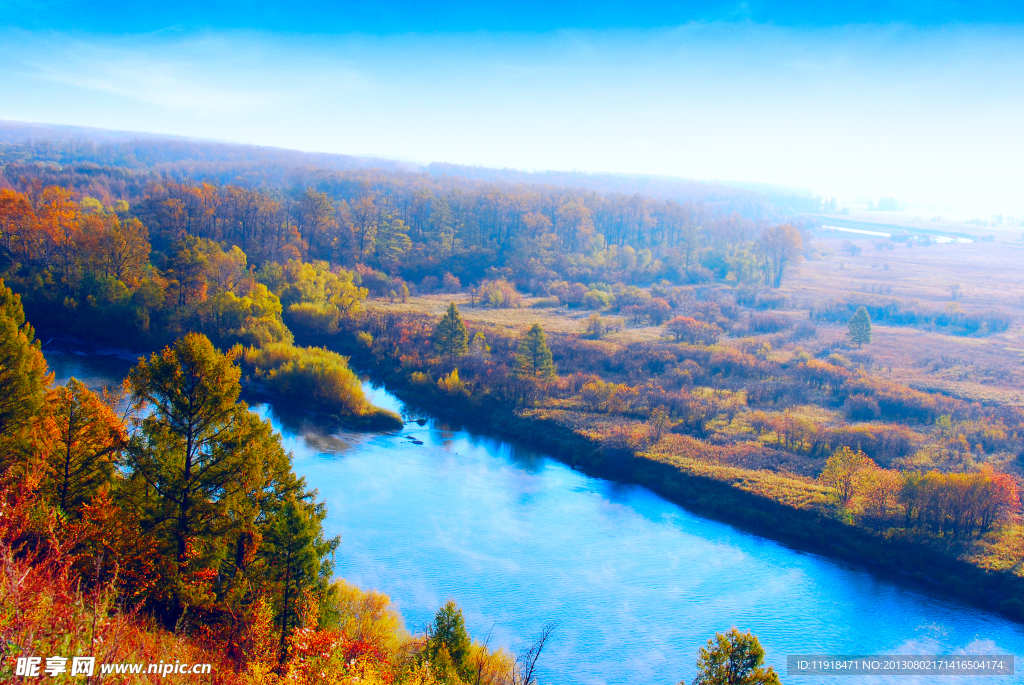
(554, 319)
(985, 368)
(991, 277)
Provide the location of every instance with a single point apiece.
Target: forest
(642, 339)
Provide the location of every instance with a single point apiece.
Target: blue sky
(923, 101)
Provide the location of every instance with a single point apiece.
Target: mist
(928, 114)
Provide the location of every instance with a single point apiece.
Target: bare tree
(481, 662)
(781, 246)
(525, 669)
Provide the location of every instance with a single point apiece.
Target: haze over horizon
(900, 99)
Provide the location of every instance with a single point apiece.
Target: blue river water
(637, 584)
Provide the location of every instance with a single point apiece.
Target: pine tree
(392, 241)
(83, 440)
(192, 389)
(450, 335)
(534, 356)
(24, 376)
(202, 466)
(860, 327)
(297, 558)
(448, 643)
(194, 462)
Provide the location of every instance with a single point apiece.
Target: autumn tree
(24, 376)
(843, 471)
(781, 247)
(17, 225)
(574, 223)
(451, 338)
(317, 223)
(690, 236)
(859, 328)
(688, 329)
(365, 220)
(733, 658)
(83, 440)
(115, 248)
(659, 423)
(58, 215)
(534, 359)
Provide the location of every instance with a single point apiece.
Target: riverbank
(255, 388)
(724, 494)
(731, 495)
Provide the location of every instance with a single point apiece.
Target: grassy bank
(314, 379)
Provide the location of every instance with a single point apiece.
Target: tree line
(420, 227)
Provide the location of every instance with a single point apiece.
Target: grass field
(988, 369)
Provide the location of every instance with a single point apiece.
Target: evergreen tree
(204, 470)
(188, 448)
(392, 241)
(450, 335)
(296, 554)
(860, 327)
(82, 440)
(733, 658)
(534, 356)
(209, 481)
(448, 643)
(24, 376)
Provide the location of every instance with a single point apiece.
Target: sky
(923, 101)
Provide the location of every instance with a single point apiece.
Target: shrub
(570, 293)
(861, 408)
(313, 378)
(632, 296)
(312, 318)
(545, 303)
(498, 294)
(429, 284)
(769, 323)
(451, 283)
(452, 384)
(688, 329)
(658, 309)
(377, 282)
(597, 299)
(760, 299)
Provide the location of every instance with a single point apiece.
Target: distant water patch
(857, 230)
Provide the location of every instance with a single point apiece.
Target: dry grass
(987, 369)
(991, 276)
(553, 319)
(793, 491)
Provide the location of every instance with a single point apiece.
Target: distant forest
(399, 221)
(227, 163)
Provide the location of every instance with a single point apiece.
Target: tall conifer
(534, 356)
(450, 335)
(24, 376)
(860, 327)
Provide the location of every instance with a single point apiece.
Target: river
(636, 583)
